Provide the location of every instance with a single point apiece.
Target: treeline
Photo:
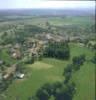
(59, 50)
(77, 62)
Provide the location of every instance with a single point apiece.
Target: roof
(1, 62)
(20, 75)
(9, 71)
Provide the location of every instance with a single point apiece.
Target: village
(35, 47)
(47, 57)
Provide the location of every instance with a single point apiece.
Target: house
(48, 36)
(74, 39)
(8, 46)
(16, 54)
(17, 46)
(81, 44)
(30, 42)
(20, 75)
(9, 72)
(91, 44)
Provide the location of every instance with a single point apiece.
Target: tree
(30, 59)
(20, 67)
(94, 59)
(78, 61)
(57, 50)
(6, 38)
(68, 73)
(49, 88)
(48, 26)
(42, 94)
(68, 69)
(94, 47)
(66, 92)
(33, 98)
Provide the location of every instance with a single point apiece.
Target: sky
(13, 4)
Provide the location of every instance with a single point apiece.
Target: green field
(85, 82)
(50, 70)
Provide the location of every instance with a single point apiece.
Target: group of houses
(11, 72)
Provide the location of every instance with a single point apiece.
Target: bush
(68, 73)
(78, 61)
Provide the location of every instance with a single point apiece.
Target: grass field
(85, 82)
(50, 70)
(38, 76)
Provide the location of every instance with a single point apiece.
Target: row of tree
(59, 50)
(77, 61)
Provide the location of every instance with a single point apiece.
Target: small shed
(20, 75)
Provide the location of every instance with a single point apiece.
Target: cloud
(4, 4)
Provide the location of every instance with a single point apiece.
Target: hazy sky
(8, 4)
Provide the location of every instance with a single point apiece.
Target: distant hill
(48, 12)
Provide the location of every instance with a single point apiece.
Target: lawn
(50, 70)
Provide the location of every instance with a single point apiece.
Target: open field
(57, 21)
(37, 78)
(50, 70)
